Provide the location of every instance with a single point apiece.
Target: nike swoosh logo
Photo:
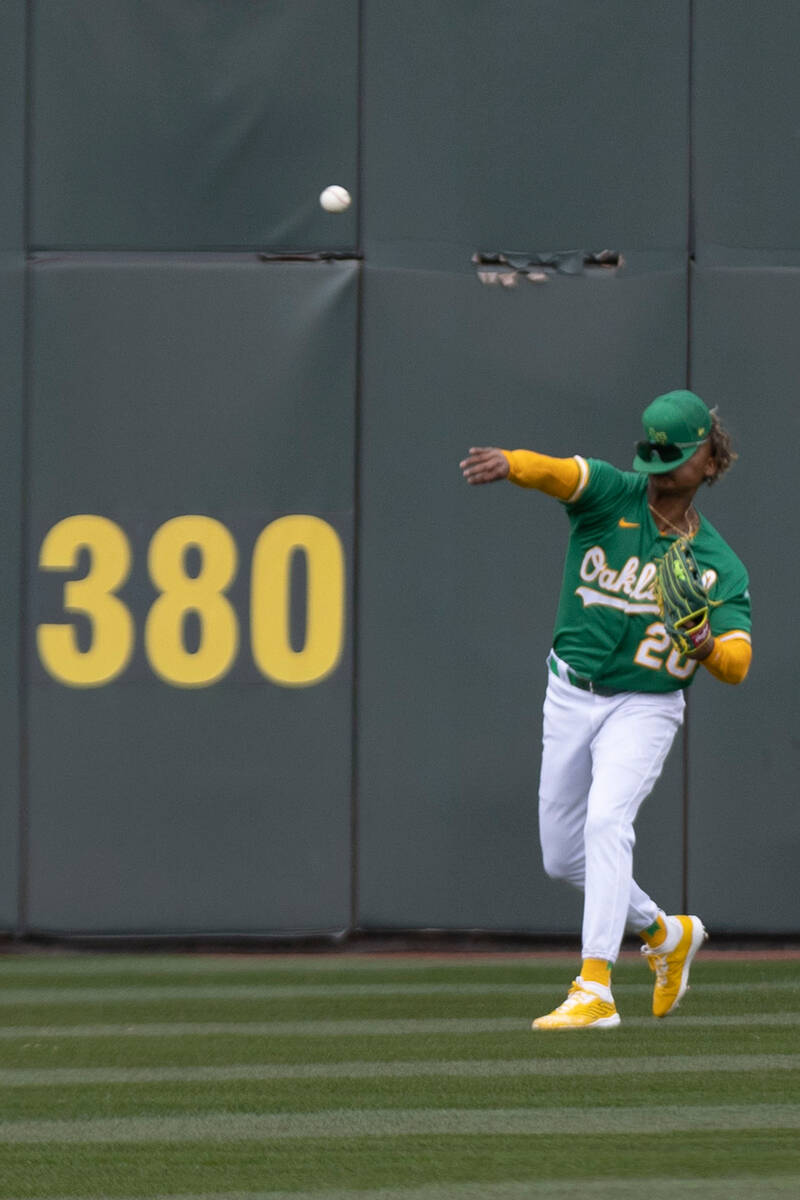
(623, 524)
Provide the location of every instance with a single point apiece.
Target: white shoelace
(659, 962)
(579, 996)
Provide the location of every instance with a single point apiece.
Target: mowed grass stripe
(359, 1123)
(440, 1092)
(271, 991)
(462, 1069)
(389, 1006)
(123, 969)
(324, 1165)
(409, 1026)
(309, 1028)
(277, 992)
(87, 965)
(757, 1187)
(656, 1037)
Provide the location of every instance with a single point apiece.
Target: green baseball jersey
(608, 626)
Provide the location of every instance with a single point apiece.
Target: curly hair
(722, 450)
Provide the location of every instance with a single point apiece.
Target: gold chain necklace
(691, 527)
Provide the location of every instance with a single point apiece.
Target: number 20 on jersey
(95, 597)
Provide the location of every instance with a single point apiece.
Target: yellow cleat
(587, 1006)
(671, 962)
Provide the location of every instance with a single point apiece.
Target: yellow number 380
(113, 631)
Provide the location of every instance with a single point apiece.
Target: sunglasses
(668, 453)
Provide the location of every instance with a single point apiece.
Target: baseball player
(627, 644)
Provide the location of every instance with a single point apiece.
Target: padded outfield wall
(272, 668)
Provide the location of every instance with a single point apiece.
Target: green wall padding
(193, 124)
(746, 150)
(745, 834)
(155, 366)
(164, 390)
(547, 125)
(459, 585)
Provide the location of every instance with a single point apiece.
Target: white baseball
(335, 199)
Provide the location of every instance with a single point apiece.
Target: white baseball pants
(601, 758)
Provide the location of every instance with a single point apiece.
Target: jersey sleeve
(732, 614)
(604, 490)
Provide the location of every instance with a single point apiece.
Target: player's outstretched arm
(485, 464)
(559, 477)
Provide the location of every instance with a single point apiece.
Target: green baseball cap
(674, 425)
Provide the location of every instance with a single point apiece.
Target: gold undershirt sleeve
(557, 477)
(729, 661)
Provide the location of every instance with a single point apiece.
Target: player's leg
(570, 723)
(566, 776)
(671, 942)
(628, 755)
(628, 752)
(643, 912)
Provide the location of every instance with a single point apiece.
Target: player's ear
(711, 468)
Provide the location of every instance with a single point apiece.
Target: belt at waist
(565, 672)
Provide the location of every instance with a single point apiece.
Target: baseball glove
(682, 599)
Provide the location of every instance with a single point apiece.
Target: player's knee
(605, 827)
(559, 864)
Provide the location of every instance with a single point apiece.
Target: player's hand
(484, 464)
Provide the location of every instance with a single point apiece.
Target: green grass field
(343, 1076)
